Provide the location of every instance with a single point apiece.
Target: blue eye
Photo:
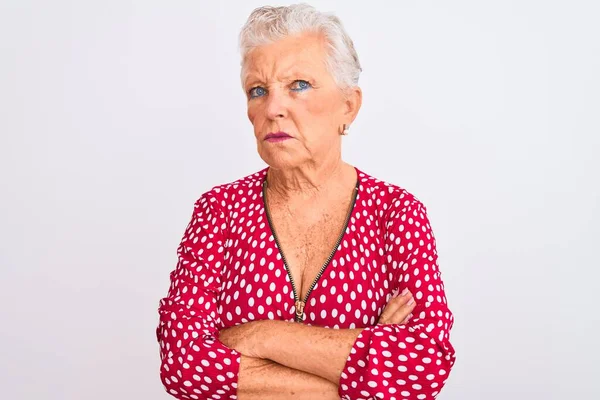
(257, 92)
(300, 85)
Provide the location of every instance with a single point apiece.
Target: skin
(312, 116)
(289, 89)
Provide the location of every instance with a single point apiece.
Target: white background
(116, 115)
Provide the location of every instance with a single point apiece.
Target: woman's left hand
(242, 338)
(399, 308)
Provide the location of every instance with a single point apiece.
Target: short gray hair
(268, 24)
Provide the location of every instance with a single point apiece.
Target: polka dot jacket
(230, 271)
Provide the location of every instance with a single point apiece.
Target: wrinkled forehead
(287, 56)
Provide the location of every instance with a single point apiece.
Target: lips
(277, 135)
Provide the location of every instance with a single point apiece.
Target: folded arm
(261, 379)
(311, 349)
(381, 361)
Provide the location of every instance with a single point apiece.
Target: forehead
(295, 53)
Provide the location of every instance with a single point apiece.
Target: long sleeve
(194, 363)
(409, 361)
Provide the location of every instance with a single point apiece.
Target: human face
(290, 90)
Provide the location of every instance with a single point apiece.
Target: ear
(352, 101)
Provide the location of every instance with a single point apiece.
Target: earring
(345, 129)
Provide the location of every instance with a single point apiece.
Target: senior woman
(309, 279)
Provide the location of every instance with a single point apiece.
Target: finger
(394, 305)
(398, 301)
(402, 312)
(406, 319)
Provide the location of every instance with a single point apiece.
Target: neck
(308, 180)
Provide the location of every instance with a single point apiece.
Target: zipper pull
(299, 309)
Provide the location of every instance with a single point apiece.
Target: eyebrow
(252, 79)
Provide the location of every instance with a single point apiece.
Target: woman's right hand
(398, 309)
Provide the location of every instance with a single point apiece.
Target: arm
(311, 349)
(262, 339)
(195, 363)
(414, 360)
(266, 380)
(324, 351)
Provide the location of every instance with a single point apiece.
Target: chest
(326, 259)
(307, 242)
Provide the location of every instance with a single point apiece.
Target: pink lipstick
(277, 137)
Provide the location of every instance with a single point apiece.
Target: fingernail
(404, 291)
(395, 293)
(411, 301)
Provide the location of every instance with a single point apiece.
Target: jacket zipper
(299, 304)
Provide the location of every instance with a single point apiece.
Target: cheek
(253, 115)
(309, 111)
(319, 116)
(324, 105)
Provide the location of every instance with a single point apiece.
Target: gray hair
(268, 24)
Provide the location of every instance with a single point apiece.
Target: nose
(276, 106)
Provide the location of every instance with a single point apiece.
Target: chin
(281, 159)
